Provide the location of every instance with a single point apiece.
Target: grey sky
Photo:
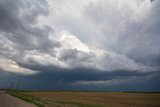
(81, 42)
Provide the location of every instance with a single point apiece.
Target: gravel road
(7, 100)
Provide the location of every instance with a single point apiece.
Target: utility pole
(18, 84)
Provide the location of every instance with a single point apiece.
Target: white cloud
(124, 27)
(70, 41)
(77, 54)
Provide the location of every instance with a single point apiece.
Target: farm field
(93, 99)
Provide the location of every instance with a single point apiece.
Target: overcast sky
(80, 44)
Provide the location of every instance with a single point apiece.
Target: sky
(106, 45)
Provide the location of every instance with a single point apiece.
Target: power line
(18, 84)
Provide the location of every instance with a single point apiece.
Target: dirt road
(7, 100)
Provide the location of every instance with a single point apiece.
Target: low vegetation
(90, 99)
(25, 97)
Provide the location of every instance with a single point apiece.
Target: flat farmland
(95, 99)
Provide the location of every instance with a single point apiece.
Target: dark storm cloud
(15, 14)
(151, 0)
(11, 11)
(64, 80)
(53, 73)
(19, 31)
(17, 20)
(8, 11)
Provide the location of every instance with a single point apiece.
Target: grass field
(91, 99)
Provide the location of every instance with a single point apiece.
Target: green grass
(27, 98)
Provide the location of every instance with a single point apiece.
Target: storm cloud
(79, 43)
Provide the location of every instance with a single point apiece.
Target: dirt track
(7, 100)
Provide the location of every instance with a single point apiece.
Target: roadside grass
(27, 98)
